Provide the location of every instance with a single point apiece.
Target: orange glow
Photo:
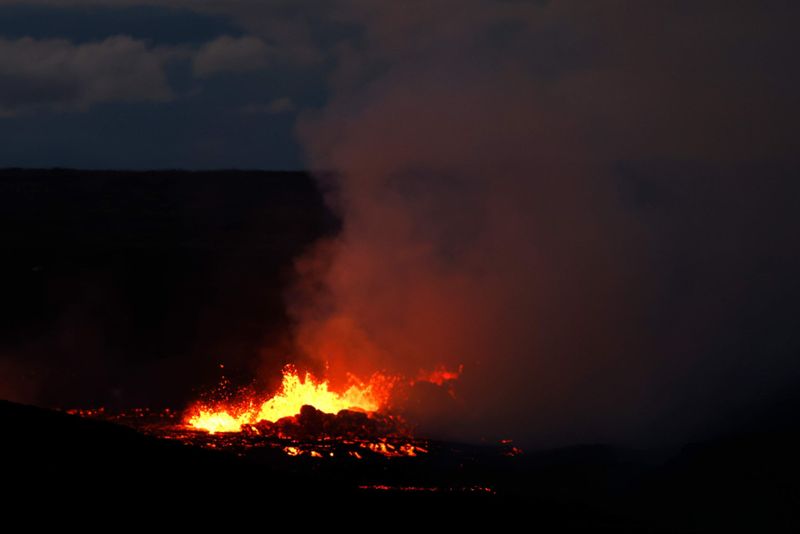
(394, 450)
(292, 451)
(295, 392)
(218, 421)
(440, 375)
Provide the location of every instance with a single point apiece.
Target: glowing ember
(295, 392)
(440, 375)
(390, 450)
(292, 451)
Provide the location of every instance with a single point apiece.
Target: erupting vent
(305, 417)
(351, 434)
(296, 392)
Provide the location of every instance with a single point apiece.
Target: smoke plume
(593, 228)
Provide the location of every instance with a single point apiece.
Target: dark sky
(152, 85)
(182, 84)
(591, 205)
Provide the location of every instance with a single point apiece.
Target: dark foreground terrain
(745, 483)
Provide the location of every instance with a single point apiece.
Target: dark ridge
(68, 459)
(748, 482)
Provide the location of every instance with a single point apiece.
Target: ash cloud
(585, 204)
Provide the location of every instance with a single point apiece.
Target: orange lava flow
(296, 391)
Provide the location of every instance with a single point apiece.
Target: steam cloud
(593, 228)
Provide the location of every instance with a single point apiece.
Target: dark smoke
(589, 205)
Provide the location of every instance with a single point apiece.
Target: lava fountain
(296, 390)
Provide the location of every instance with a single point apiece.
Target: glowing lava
(295, 392)
(440, 376)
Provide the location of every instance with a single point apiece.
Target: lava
(304, 418)
(306, 413)
(295, 392)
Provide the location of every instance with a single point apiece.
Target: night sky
(140, 84)
(592, 206)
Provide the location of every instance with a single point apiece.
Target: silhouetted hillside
(743, 483)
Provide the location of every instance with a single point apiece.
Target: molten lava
(295, 392)
(305, 418)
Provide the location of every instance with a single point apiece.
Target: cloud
(231, 54)
(291, 28)
(59, 75)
